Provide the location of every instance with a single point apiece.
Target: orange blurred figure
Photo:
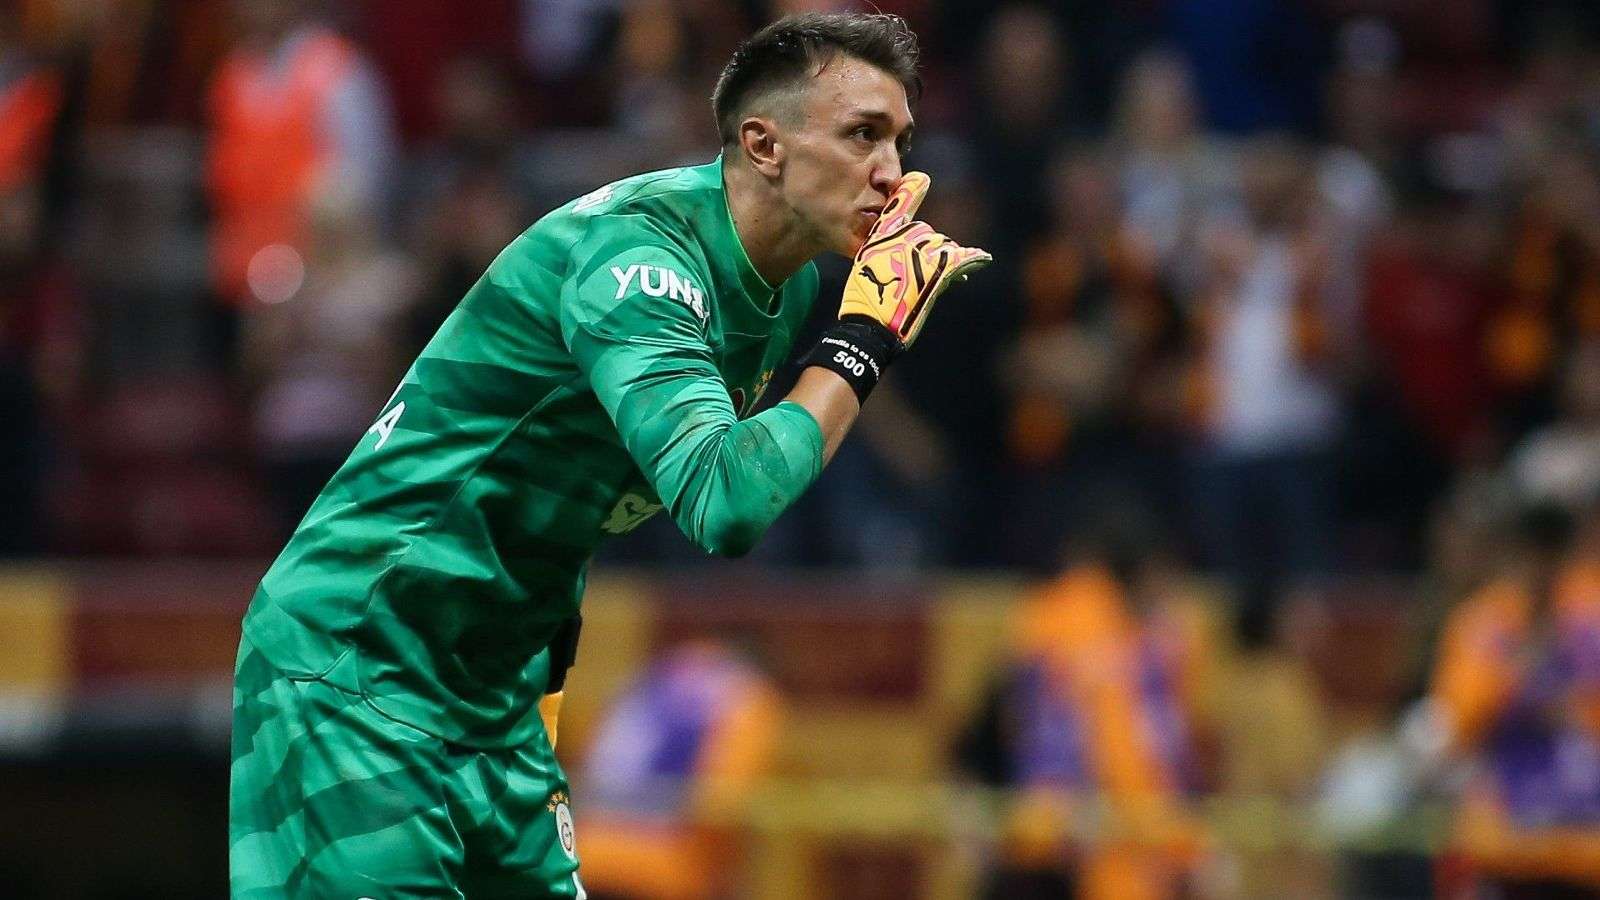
(1099, 731)
(685, 741)
(1518, 683)
(295, 109)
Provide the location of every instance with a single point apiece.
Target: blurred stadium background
(1235, 535)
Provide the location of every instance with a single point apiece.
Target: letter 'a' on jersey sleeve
(634, 315)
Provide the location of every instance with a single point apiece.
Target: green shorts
(331, 798)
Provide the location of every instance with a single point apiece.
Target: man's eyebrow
(877, 115)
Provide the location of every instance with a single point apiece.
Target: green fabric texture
(330, 798)
(595, 374)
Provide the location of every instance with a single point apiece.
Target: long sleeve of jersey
(635, 319)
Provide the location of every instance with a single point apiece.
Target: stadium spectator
(1518, 683)
(1256, 65)
(1423, 406)
(1550, 98)
(418, 47)
(467, 191)
(1090, 378)
(134, 64)
(559, 38)
(1431, 294)
(40, 362)
(684, 742)
(33, 299)
(1022, 108)
(1554, 279)
(1266, 399)
(1360, 115)
(458, 235)
(30, 103)
(1098, 727)
(323, 355)
(663, 53)
(1560, 463)
(295, 109)
(480, 127)
(1352, 170)
(1173, 176)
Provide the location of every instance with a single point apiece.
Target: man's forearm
(831, 401)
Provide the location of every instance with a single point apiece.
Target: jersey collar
(736, 267)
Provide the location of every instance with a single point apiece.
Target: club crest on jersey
(565, 832)
(561, 805)
(660, 281)
(630, 512)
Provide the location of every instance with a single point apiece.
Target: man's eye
(864, 133)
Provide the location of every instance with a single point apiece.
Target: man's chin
(851, 245)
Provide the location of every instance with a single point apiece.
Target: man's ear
(762, 145)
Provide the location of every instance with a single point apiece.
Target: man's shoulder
(663, 198)
(652, 209)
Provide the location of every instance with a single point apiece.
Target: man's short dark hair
(787, 51)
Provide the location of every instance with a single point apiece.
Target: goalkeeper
(402, 661)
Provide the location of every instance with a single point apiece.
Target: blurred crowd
(1296, 292)
(1311, 283)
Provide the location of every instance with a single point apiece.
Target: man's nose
(886, 171)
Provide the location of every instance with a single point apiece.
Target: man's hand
(900, 269)
(904, 265)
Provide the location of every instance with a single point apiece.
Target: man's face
(844, 152)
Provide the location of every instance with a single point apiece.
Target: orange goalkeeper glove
(904, 265)
(900, 270)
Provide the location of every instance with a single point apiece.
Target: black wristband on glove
(858, 349)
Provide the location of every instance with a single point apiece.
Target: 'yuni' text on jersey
(585, 382)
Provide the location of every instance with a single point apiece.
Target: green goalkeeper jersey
(596, 373)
